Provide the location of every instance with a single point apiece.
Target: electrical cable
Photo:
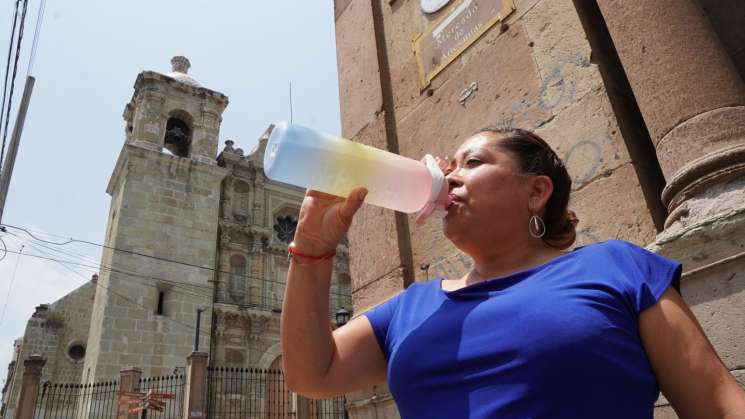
(178, 287)
(37, 34)
(13, 79)
(72, 240)
(175, 284)
(5, 249)
(10, 286)
(7, 72)
(109, 268)
(63, 263)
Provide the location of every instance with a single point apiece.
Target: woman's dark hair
(535, 156)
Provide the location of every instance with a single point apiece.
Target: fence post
(195, 401)
(303, 407)
(129, 380)
(29, 386)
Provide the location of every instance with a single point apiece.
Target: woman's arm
(317, 362)
(690, 373)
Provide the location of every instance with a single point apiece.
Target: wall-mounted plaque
(456, 30)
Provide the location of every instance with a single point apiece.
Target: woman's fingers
(321, 195)
(443, 162)
(353, 203)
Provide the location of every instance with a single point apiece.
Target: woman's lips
(452, 200)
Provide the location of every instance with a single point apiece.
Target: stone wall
(538, 70)
(50, 332)
(534, 71)
(168, 210)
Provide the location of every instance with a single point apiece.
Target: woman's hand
(324, 220)
(444, 163)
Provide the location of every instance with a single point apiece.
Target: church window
(285, 228)
(237, 285)
(76, 352)
(177, 137)
(241, 198)
(161, 300)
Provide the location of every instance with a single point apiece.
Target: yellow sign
(446, 38)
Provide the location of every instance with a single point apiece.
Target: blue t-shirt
(560, 340)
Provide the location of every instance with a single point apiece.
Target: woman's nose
(453, 179)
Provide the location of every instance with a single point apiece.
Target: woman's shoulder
(626, 255)
(614, 247)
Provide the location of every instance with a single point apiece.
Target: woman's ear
(540, 192)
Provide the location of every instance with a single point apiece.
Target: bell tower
(165, 192)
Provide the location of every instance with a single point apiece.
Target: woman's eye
(472, 162)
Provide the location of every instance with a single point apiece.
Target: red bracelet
(292, 251)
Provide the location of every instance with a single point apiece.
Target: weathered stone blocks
(360, 96)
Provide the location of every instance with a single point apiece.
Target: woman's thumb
(352, 203)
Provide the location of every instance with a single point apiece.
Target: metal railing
(234, 393)
(247, 393)
(328, 409)
(77, 401)
(172, 384)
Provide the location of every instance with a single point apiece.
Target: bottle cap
(438, 198)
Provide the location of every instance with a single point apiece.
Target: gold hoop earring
(536, 226)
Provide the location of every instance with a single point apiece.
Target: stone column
(693, 102)
(29, 386)
(691, 97)
(129, 380)
(195, 399)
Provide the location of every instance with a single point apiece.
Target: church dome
(179, 68)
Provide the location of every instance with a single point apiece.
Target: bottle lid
(438, 199)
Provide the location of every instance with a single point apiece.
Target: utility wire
(92, 268)
(10, 286)
(5, 249)
(7, 73)
(177, 286)
(13, 80)
(72, 240)
(97, 284)
(37, 33)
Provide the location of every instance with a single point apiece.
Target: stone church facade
(189, 229)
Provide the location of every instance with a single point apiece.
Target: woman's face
(489, 194)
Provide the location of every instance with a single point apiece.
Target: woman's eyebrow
(466, 152)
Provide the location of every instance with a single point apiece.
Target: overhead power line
(37, 34)
(72, 240)
(124, 297)
(10, 286)
(7, 74)
(95, 268)
(13, 78)
(98, 284)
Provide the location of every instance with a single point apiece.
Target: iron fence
(234, 393)
(77, 401)
(247, 393)
(328, 409)
(169, 384)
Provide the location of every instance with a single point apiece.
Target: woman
(530, 332)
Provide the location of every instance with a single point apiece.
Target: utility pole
(14, 140)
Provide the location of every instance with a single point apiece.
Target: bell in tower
(165, 192)
(173, 114)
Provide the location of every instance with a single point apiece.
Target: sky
(88, 57)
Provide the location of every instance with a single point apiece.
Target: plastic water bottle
(307, 158)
